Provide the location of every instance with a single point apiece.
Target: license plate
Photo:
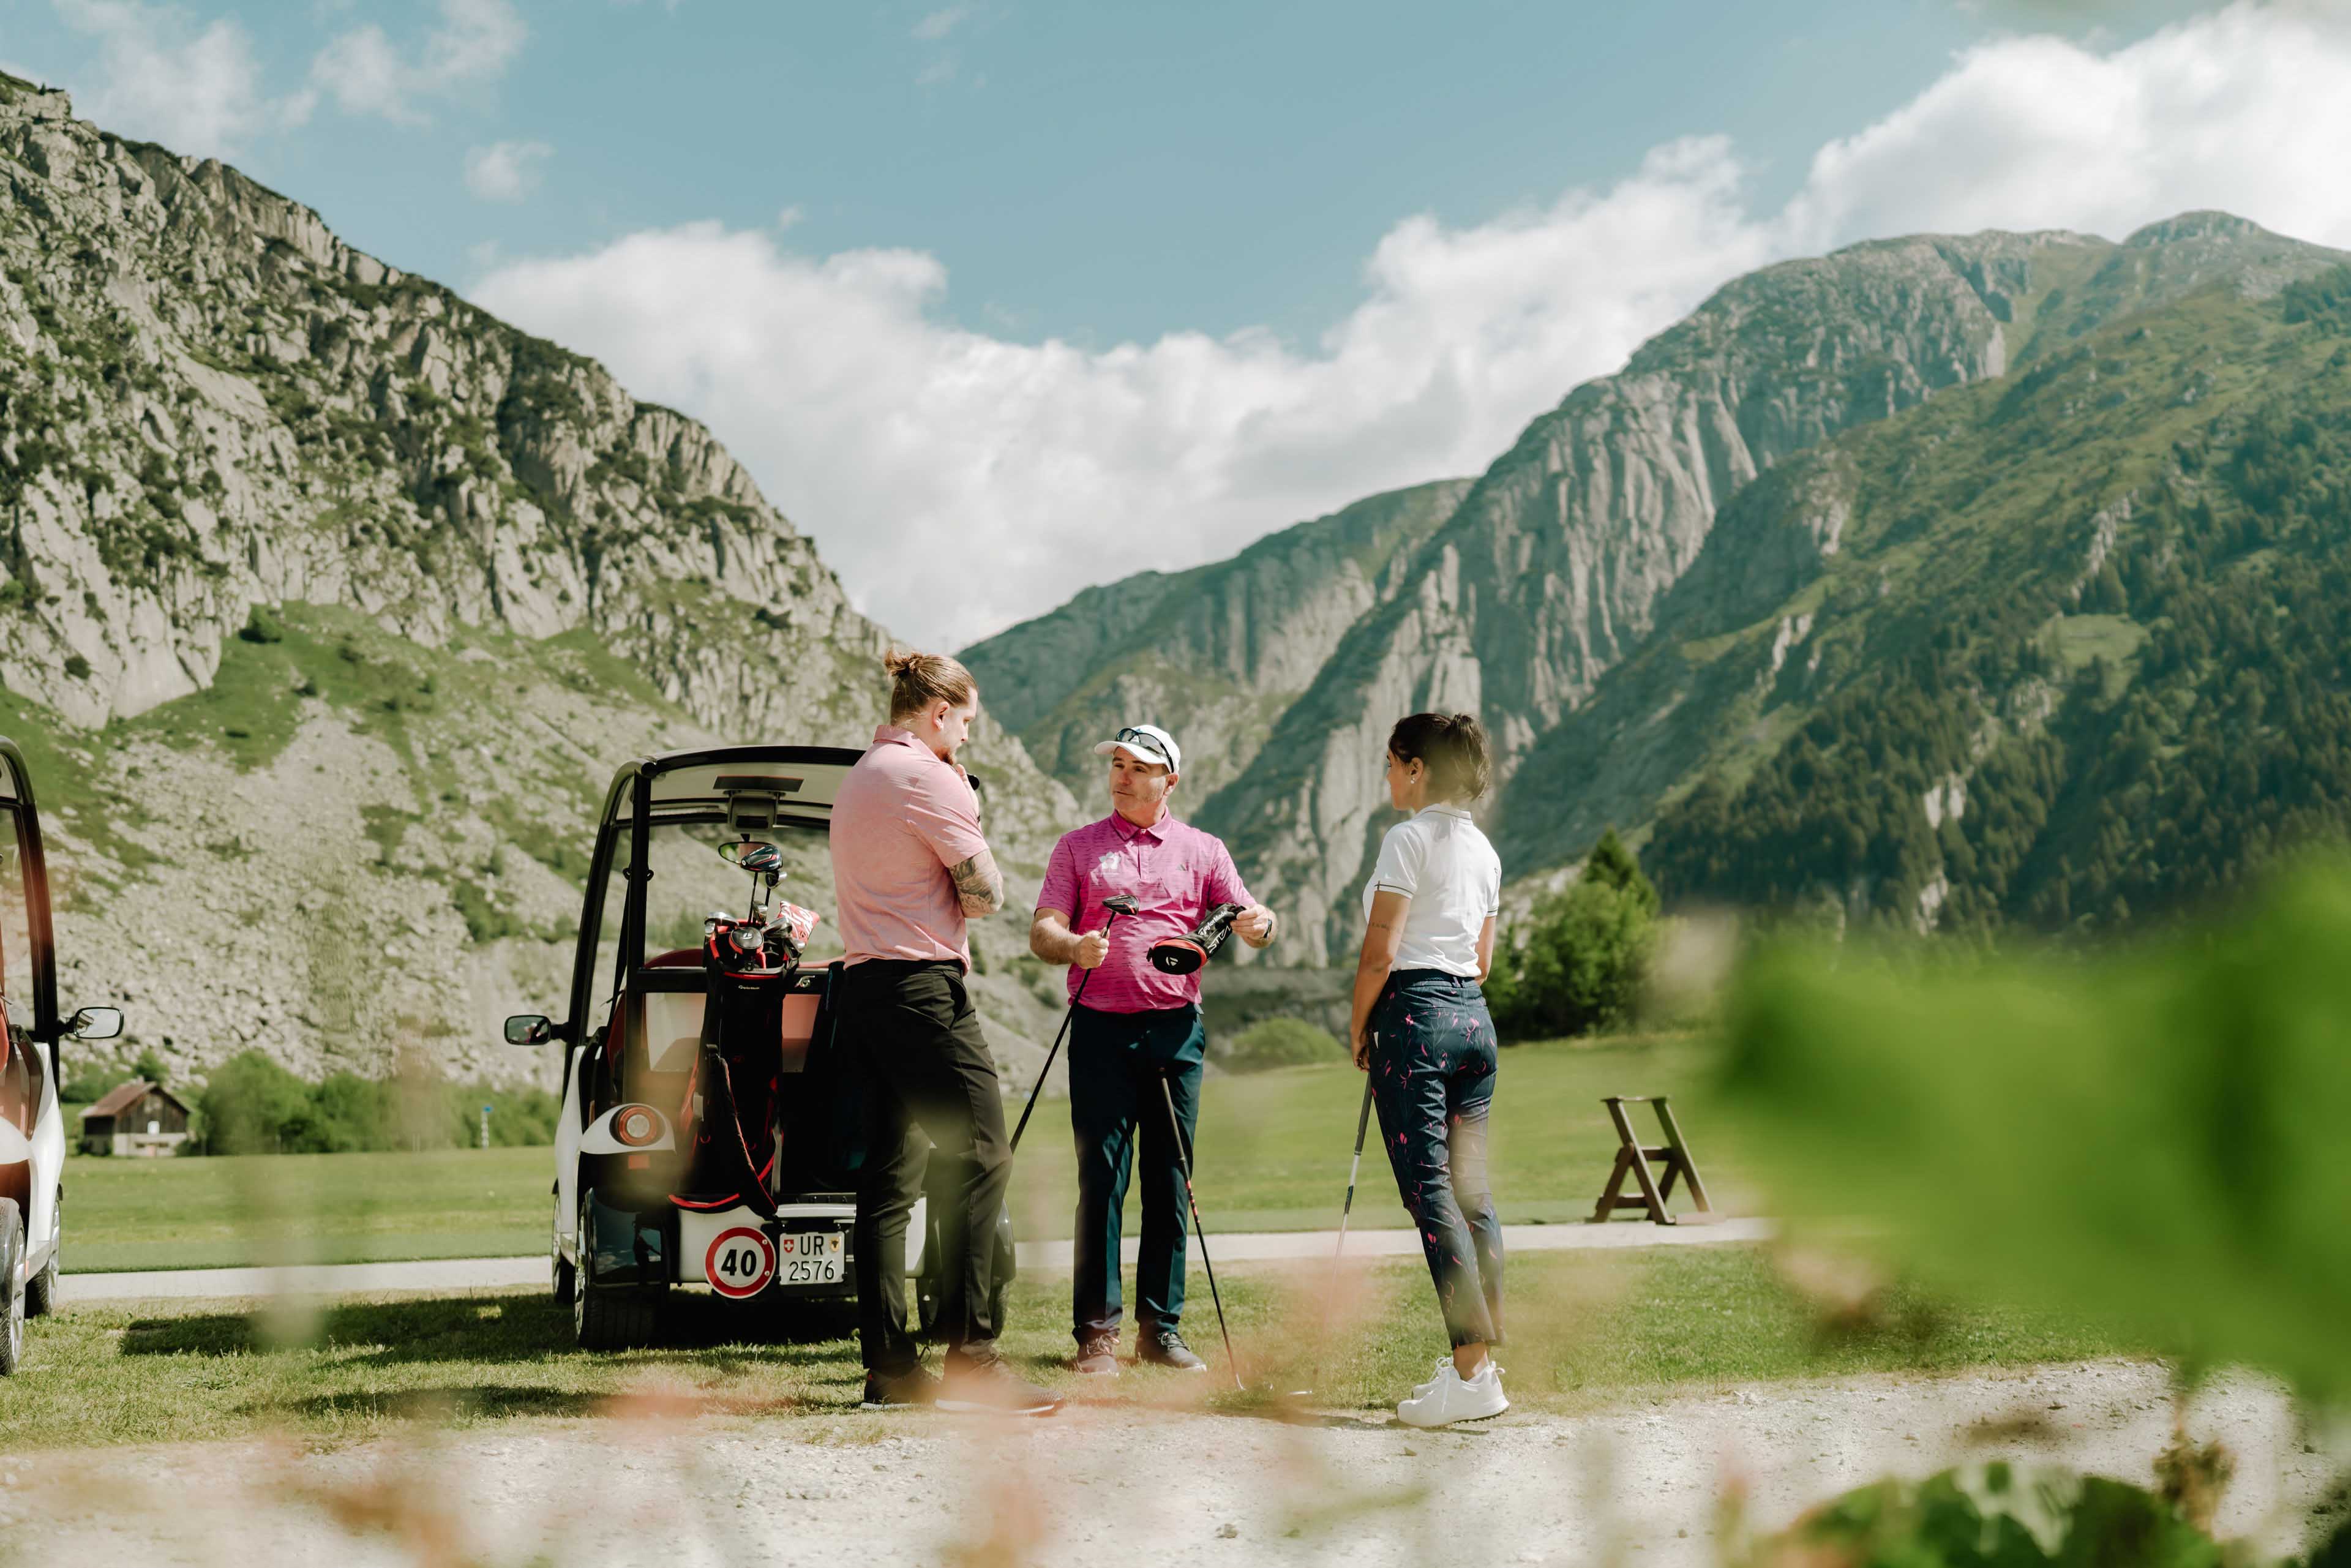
(811, 1258)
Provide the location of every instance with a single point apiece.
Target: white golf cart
(711, 1128)
(32, 1129)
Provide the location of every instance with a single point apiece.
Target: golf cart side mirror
(94, 1023)
(529, 1028)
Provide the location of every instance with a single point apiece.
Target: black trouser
(1117, 1061)
(929, 1073)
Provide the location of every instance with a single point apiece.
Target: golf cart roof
(690, 786)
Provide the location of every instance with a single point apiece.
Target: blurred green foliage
(1578, 962)
(2154, 1136)
(252, 1105)
(1993, 1516)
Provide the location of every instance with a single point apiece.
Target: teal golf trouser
(1117, 1062)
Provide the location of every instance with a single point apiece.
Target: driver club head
(1120, 903)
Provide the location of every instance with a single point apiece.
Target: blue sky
(1098, 172)
(1044, 292)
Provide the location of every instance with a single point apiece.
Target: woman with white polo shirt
(1421, 1029)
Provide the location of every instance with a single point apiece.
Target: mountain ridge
(275, 517)
(1573, 553)
(1213, 653)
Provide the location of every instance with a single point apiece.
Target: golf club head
(750, 854)
(1120, 903)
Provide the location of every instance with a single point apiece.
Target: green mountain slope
(2064, 648)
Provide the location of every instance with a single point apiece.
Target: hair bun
(918, 680)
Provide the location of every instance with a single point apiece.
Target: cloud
(162, 78)
(939, 23)
(505, 171)
(2246, 110)
(937, 73)
(367, 74)
(959, 481)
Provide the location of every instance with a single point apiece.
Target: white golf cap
(1145, 743)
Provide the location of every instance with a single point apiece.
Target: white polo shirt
(1439, 860)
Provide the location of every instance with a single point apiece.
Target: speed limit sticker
(741, 1263)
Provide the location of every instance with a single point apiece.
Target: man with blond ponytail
(910, 867)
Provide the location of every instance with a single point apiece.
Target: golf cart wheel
(41, 1294)
(607, 1317)
(12, 1285)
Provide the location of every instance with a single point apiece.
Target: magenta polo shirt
(900, 817)
(1176, 872)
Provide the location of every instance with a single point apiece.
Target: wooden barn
(135, 1118)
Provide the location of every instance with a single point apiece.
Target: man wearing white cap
(1137, 1025)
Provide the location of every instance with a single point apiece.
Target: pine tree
(1612, 864)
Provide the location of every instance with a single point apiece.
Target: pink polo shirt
(1176, 872)
(900, 817)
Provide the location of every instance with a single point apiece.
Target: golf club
(1184, 1163)
(1120, 904)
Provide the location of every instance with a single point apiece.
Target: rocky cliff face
(1554, 565)
(1215, 655)
(273, 514)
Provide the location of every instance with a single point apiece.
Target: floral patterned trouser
(1433, 1065)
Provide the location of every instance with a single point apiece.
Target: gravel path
(1637, 1484)
(1043, 1257)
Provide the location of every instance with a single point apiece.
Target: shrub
(76, 666)
(1280, 1042)
(253, 1106)
(89, 1085)
(262, 626)
(1580, 962)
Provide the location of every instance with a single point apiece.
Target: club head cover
(1177, 956)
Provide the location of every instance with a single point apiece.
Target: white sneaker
(1418, 1389)
(1455, 1399)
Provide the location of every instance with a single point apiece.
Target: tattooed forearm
(978, 884)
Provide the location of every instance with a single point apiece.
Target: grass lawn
(192, 1213)
(1586, 1329)
(1273, 1153)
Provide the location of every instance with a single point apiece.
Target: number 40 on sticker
(740, 1262)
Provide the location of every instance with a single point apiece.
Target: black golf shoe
(907, 1390)
(1097, 1356)
(1164, 1347)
